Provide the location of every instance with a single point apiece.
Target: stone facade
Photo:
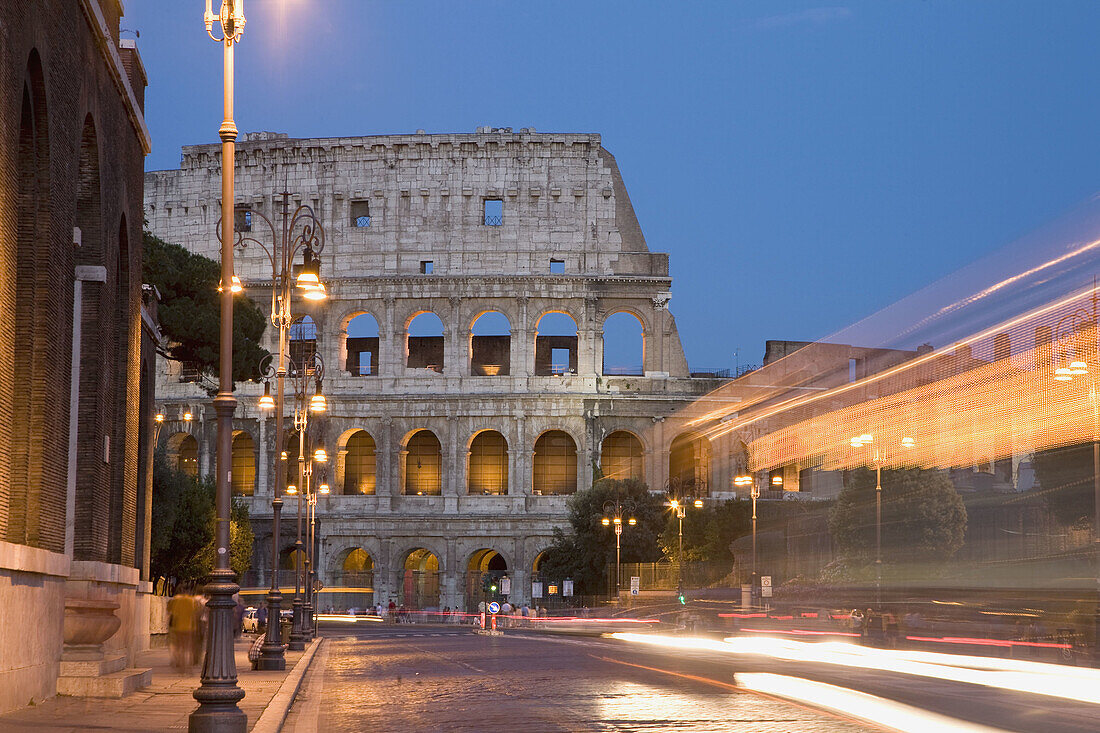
(72, 145)
(520, 224)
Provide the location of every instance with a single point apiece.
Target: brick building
(474, 280)
(73, 515)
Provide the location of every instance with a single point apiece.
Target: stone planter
(88, 623)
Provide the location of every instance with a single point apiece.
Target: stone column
(585, 360)
(339, 473)
(391, 360)
(523, 342)
(402, 459)
(464, 352)
(454, 365)
(584, 457)
(449, 593)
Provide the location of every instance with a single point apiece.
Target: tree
(585, 552)
(189, 311)
(923, 517)
(182, 547)
(708, 531)
(1065, 475)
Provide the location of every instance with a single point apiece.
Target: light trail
(1037, 678)
(859, 705)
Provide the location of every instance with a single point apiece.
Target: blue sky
(805, 164)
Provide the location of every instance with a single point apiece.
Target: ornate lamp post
(218, 692)
(1075, 336)
(312, 370)
(613, 512)
(754, 493)
(298, 231)
(679, 506)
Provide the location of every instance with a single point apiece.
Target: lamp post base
(218, 694)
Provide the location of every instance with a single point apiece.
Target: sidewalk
(166, 703)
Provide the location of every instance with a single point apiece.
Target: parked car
(250, 622)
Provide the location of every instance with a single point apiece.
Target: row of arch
(488, 347)
(554, 468)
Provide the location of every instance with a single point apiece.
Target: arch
(487, 471)
(423, 465)
(244, 464)
(293, 559)
(484, 570)
(352, 580)
(536, 564)
(360, 464)
(361, 345)
(555, 464)
(623, 344)
(35, 411)
(555, 344)
(621, 456)
(689, 465)
(424, 342)
(490, 344)
(188, 456)
(303, 341)
(420, 579)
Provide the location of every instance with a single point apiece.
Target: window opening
(427, 267)
(621, 456)
(494, 212)
(488, 471)
(423, 464)
(362, 346)
(360, 463)
(556, 345)
(623, 345)
(491, 345)
(425, 343)
(360, 214)
(303, 342)
(555, 464)
(244, 465)
(557, 267)
(242, 219)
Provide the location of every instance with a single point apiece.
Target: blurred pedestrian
(181, 630)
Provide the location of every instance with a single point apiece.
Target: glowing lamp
(698, 503)
(618, 520)
(908, 442)
(605, 521)
(267, 402)
(292, 489)
(1062, 374)
(320, 456)
(187, 417)
(316, 292)
(674, 504)
(234, 285)
(159, 417)
(1078, 367)
(324, 489)
(632, 521)
(777, 480)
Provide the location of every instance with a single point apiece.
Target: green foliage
(189, 312)
(923, 517)
(1065, 476)
(585, 552)
(182, 545)
(708, 531)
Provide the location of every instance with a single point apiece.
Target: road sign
(494, 607)
(635, 584)
(536, 590)
(567, 587)
(766, 586)
(505, 586)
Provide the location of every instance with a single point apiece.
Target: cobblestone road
(412, 679)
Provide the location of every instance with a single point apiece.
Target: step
(93, 668)
(115, 684)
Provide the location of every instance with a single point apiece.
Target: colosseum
(496, 335)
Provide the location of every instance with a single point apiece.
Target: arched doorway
(420, 580)
(353, 583)
(485, 572)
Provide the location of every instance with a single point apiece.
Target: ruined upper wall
(563, 199)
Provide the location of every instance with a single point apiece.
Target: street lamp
(679, 506)
(613, 512)
(754, 493)
(301, 375)
(218, 692)
(1068, 337)
(299, 231)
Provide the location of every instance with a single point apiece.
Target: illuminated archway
(420, 579)
(423, 465)
(621, 456)
(555, 464)
(488, 465)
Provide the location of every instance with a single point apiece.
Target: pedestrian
(181, 629)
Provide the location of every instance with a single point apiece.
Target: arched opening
(488, 468)
(244, 464)
(188, 456)
(623, 345)
(491, 345)
(291, 562)
(360, 464)
(424, 343)
(485, 571)
(420, 584)
(621, 456)
(35, 479)
(555, 464)
(354, 583)
(424, 465)
(362, 345)
(292, 448)
(93, 483)
(303, 343)
(556, 344)
(689, 466)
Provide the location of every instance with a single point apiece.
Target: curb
(271, 719)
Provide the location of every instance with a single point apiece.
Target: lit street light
(754, 492)
(218, 692)
(613, 512)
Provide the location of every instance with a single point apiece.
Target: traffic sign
(766, 586)
(567, 587)
(505, 586)
(635, 584)
(536, 589)
(494, 607)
